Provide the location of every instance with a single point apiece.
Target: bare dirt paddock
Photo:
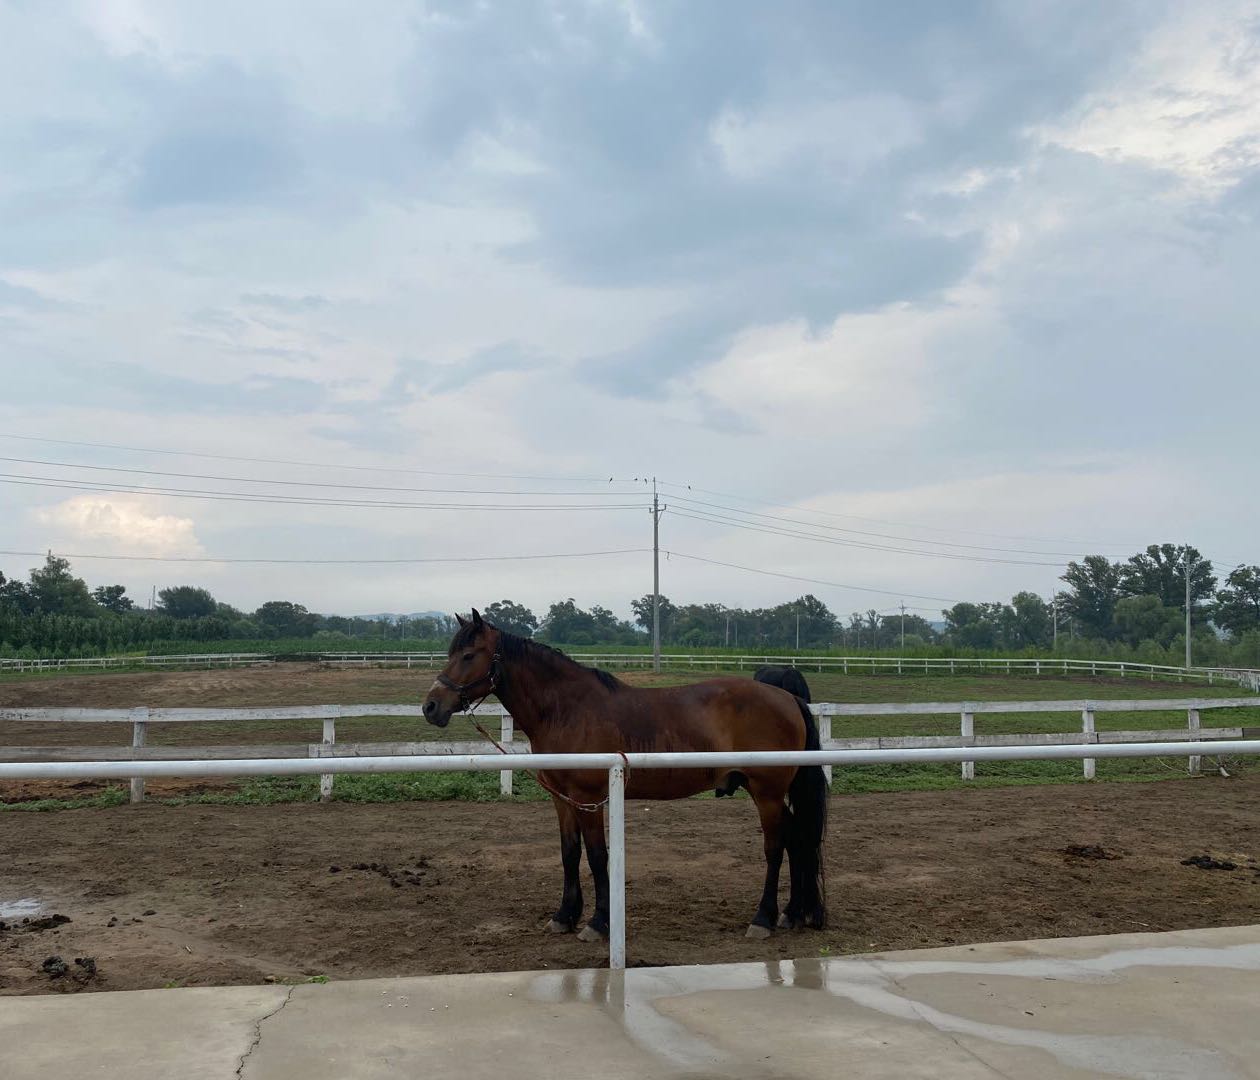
(185, 895)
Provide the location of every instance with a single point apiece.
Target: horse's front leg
(592, 826)
(565, 920)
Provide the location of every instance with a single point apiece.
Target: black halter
(492, 676)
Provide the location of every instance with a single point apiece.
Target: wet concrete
(1176, 1006)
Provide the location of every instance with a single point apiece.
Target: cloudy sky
(948, 293)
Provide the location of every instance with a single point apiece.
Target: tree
(817, 623)
(568, 624)
(280, 618)
(112, 598)
(918, 630)
(1144, 618)
(1094, 588)
(54, 590)
(186, 602)
(642, 609)
(1028, 623)
(976, 626)
(15, 596)
(1160, 571)
(1238, 603)
(514, 618)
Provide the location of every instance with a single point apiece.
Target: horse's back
(716, 714)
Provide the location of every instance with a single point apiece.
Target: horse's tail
(806, 829)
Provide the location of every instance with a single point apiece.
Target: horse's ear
(460, 619)
(477, 623)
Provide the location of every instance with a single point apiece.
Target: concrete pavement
(1178, 1006)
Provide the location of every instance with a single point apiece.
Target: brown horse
(564, 707)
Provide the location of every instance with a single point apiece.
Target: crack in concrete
(240, 1066)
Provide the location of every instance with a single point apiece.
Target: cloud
(285, 303)
(838, 138)
(826, 256)
(862, 374)
(1189, 103)
(120, 523)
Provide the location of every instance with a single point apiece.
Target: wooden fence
(140, 718)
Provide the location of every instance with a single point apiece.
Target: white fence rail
(140, 718)
(615, 764)
(93, 663)
(900, 665)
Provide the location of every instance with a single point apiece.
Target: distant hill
(392, 616)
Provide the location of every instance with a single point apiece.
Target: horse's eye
(468, 656)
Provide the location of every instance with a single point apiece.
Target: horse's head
(471, 672)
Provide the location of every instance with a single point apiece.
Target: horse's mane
(514, 647)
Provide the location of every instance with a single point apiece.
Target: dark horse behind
(564, 707)
(786, 678)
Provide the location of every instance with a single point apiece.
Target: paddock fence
(1221, 739)
(852, 665)
(95, 663)
(615, 765)
(846, 665)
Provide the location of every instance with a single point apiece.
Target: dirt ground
(164, 895)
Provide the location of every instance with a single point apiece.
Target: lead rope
(589, 808)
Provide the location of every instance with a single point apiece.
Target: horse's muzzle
(436, 713)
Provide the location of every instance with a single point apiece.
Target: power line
(333, 562)
(879, 521)
(813, 581)
(861, 532)
(314, 483)
(735, 523)
(24, 480)
(307, 464)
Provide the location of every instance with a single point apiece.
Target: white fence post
(617, 868)
(968, 732)
(1195, 761)
(824, 737)
(1087, 726)
(326, 779)
(506, 734)
(139, 723)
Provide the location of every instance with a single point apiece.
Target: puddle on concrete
(20, 909)
(629, 998)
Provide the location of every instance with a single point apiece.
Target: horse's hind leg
(592, 826)
(565, 920)
(773, 813)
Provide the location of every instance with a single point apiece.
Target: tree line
(1133, 608)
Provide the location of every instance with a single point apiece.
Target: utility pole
(656, 579)
(903, 626)
(1187, 606)
(798, 631)
(1054, 620)
(728, 629)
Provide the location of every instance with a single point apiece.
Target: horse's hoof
(589, 933)
(788, 922)
(554, 927)
(758, 932)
